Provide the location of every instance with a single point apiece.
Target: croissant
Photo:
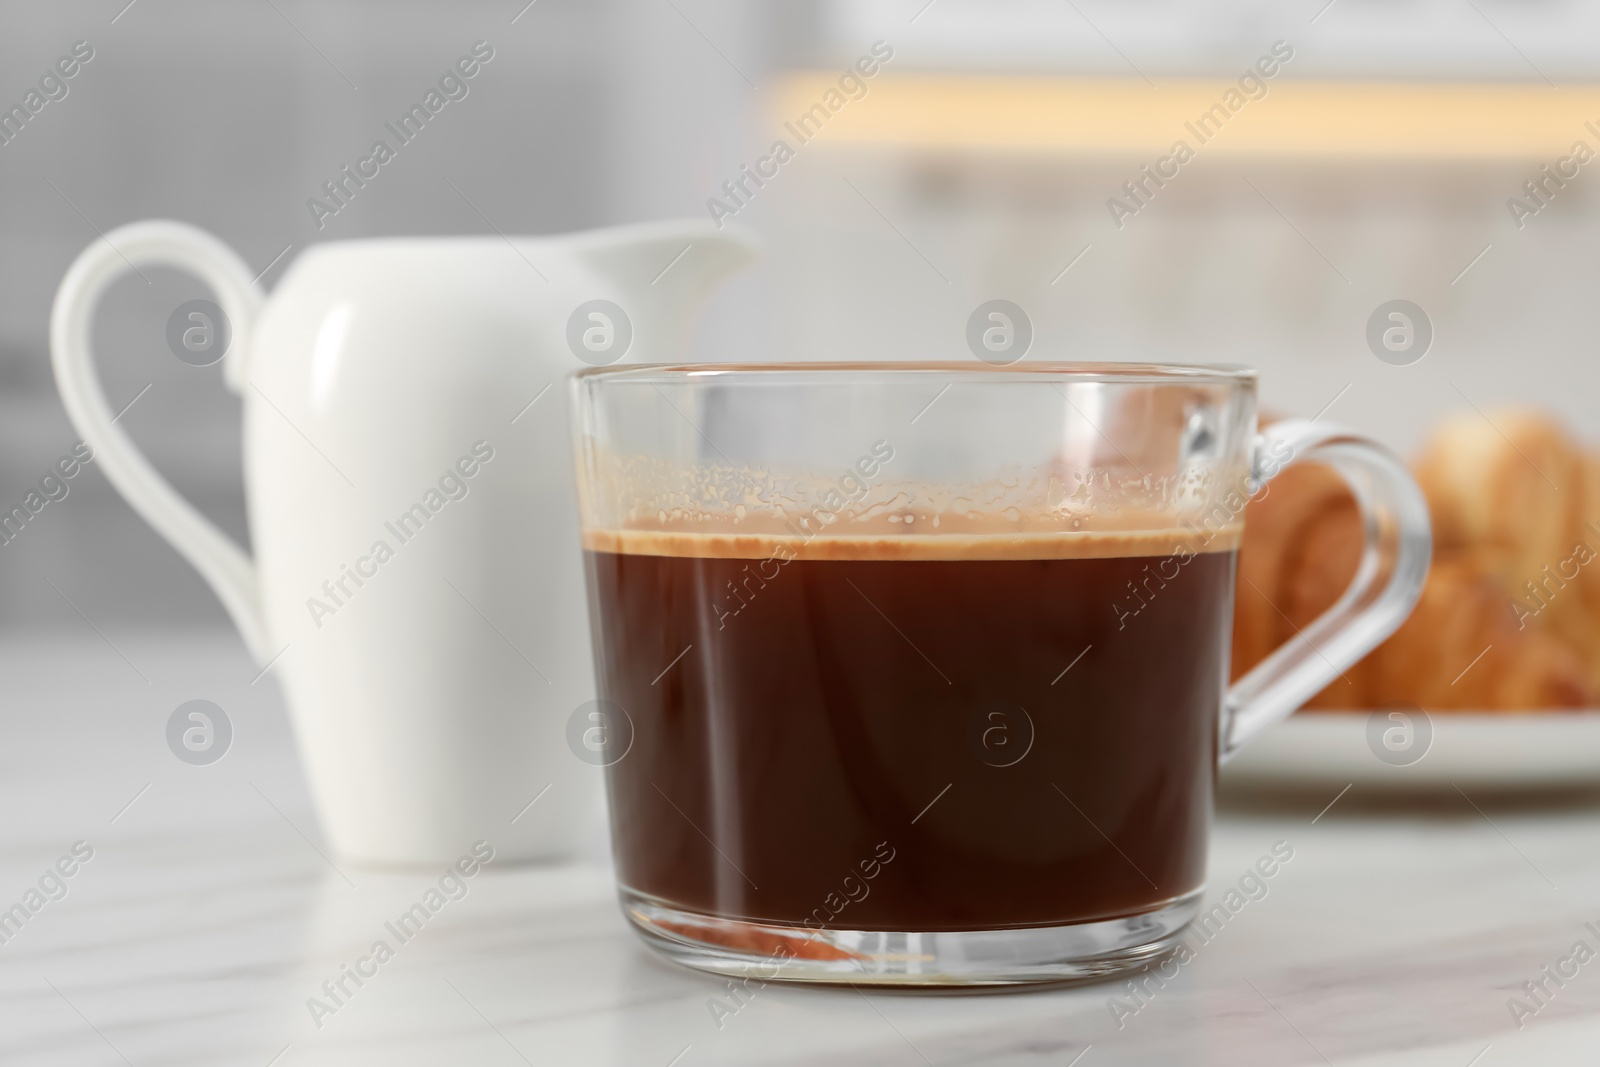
(1461, 650)
(1587, 600)
(1302, 541)
(1510, 616)
(1273, 551)
(1504, 489)
(1512, 493)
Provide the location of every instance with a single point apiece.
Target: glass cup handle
(1394, 564)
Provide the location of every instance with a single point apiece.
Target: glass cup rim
(966, 370)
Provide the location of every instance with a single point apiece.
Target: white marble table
(208, 915)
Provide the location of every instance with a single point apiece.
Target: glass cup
(916, 674)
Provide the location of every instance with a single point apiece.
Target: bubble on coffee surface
(649, 493)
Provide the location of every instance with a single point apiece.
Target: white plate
(1532, 750)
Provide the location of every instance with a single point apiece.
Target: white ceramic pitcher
(416, 586)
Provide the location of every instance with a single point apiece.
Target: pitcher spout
(662, 272)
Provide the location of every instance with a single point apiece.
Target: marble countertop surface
(209, 913)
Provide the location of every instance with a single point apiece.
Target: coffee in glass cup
(922, 670)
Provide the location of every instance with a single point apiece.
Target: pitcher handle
(1388, 581)
(222, 562)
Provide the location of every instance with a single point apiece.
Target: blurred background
(1376, 163)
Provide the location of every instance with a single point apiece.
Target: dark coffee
(915, 733)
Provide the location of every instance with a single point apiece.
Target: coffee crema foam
(1063, 544)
